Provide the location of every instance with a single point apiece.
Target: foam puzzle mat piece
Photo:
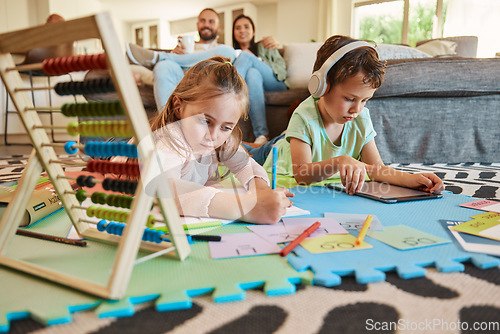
(278, 287)
(368, 265)
(24, 296)
(118, 309)
(173, 300)
(226, 279)
(409, 271)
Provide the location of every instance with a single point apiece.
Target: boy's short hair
(359, 60)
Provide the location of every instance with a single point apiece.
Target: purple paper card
(328, 225)
(242, 244)
(275, 233)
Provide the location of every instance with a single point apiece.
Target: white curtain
(475, 18)
(325, 19)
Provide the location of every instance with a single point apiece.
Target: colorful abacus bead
(151, 221)
(72, 128)
(70, 147)
(81, 195)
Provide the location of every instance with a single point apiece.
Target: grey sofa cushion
(441, 77)
(437, 130)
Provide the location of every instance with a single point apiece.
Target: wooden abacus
(43, 155)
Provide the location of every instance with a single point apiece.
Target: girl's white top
(194, 179)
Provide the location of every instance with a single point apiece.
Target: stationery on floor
(242, 245)
(364, 229)
(274, 167)
(354, 221)
(328, 225)
(277, 233)
(294, 243)
(470, 242)
(484, 205)
(43, 201)
(404, 237)
(333, 243)
(67, 241)
(485, 225)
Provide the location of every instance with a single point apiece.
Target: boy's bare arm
(306, 172)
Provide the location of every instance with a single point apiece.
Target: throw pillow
(393, 51)
(300, 58)
(439, 48)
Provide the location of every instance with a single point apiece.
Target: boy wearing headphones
(331, 131)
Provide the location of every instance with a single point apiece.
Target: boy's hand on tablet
(353, 173)
(429, 182)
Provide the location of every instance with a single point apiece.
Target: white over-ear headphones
(317, 84)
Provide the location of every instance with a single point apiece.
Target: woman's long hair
(253, 45)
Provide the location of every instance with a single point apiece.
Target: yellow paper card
(488, 216)
(475, 226)
(332, 243)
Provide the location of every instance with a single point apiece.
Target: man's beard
(210, 37)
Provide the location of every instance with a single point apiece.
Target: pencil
(364, 229)
(273, 170)
(67, 241)
(294, 243)
(187, 227)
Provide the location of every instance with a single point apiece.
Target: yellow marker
(364, 229)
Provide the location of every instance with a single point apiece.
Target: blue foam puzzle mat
(370, 265)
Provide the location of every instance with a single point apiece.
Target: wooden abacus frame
(98, 26)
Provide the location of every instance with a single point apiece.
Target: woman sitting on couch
(263, 69)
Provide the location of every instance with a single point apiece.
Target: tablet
(388, 193)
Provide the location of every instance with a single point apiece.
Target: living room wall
(288, 20)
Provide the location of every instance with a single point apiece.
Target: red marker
(288, 248)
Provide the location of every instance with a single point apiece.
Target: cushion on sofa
(441, 77)
(300, 58)
(439, 48)
(466, 45)
(393, 51)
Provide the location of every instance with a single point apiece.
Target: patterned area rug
(464, 302)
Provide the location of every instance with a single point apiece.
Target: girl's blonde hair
(204, 81)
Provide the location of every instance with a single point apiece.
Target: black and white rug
(11, 168)
(462, 302)
(472, 179)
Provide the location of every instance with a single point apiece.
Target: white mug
(188, 41)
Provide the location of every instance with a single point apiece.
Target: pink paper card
(328, 225)
(275, 233)
(483, 204)
(240, 245)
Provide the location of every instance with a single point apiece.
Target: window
(399, 21)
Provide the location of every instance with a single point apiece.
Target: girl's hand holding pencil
(270, 206)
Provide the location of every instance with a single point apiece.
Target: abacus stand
(97, 26)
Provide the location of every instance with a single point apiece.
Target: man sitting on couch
(168, 67)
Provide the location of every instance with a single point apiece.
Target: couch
(429, 109)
